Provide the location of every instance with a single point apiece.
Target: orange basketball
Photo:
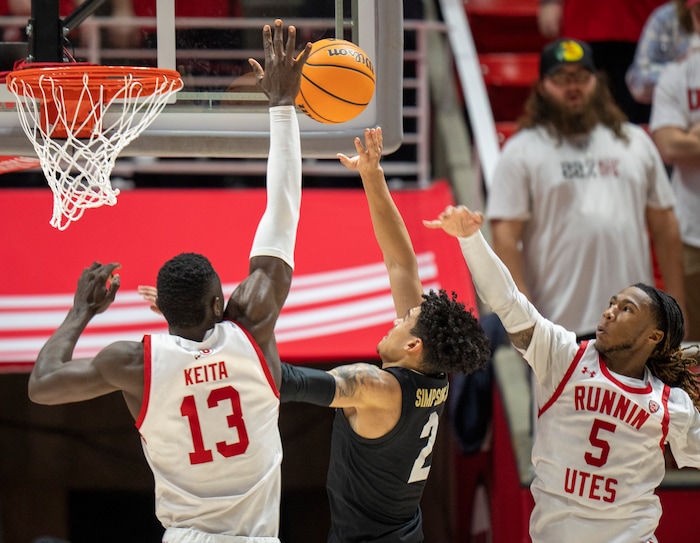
(337, 82)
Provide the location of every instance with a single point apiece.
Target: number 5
(596, 441)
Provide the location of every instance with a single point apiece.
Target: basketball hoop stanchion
(79, 118)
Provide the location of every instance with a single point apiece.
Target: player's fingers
(114, 284)
(277, 38)
(259, 72)
(432, 224)
(345, 160)
(267, 41)
(304, 55)
(358, 146)
(291, 41)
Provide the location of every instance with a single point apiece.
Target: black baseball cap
(565, 51)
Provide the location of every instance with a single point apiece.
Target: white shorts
(190, 535)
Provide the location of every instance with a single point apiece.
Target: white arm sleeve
(495, 285)
(277, 230)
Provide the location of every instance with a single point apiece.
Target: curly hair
(453, 340)
(183, 283)
(669, 362)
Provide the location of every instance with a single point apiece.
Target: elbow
(39, 394)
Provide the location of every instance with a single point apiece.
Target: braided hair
(669, 362)
(453, 340)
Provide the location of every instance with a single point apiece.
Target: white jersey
(584, 203)
(209, 429)
(677, 104)
(598, 450)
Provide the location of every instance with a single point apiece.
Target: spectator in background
(578, 194)
(612, 28)
(675, 127)
(665, 38)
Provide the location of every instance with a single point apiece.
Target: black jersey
(375, 485)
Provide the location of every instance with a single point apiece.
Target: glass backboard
(220, 113)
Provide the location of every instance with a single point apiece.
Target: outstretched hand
(368, 155)
(281, 77)
(150, 294)
(457, 221)
(97, 287)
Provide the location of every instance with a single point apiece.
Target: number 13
(188, 409)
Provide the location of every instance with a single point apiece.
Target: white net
(79, 123)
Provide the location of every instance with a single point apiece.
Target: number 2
(420, 471)
(188, 409)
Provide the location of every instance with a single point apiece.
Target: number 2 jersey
(599, 443)
(209, 431)
(375, 485)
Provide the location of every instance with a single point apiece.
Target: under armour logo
(585, 371)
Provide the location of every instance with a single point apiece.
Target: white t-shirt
(677, 104)
(584, 204)
(209, 429)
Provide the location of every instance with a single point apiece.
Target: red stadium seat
(508, 78)
(504, 25)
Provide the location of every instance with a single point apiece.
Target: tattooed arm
(369, 396)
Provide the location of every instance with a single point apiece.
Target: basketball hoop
(79, 118)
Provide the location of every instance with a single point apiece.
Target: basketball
(337, 82)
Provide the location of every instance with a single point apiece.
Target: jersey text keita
(213, 371)
(430, 397)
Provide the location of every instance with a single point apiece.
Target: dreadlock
(453, 340)
(669, 362)
(183, 282)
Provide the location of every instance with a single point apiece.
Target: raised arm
(258, 300)
(492, 280)
(58, 378)
(389, 228)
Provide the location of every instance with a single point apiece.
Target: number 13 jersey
(209, 431)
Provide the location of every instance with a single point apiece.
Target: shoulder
(364, 375)
(123, 350)
(665, 13)
(122, 363)
(525, 137)
(638, 136)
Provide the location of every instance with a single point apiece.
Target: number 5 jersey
(599, 443)
(209, 431)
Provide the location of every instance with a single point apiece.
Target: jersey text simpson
(429, 397)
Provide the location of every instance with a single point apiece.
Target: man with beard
(578, 195)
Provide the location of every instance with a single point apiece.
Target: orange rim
(109, 78)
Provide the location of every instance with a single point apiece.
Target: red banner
(339, 305)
